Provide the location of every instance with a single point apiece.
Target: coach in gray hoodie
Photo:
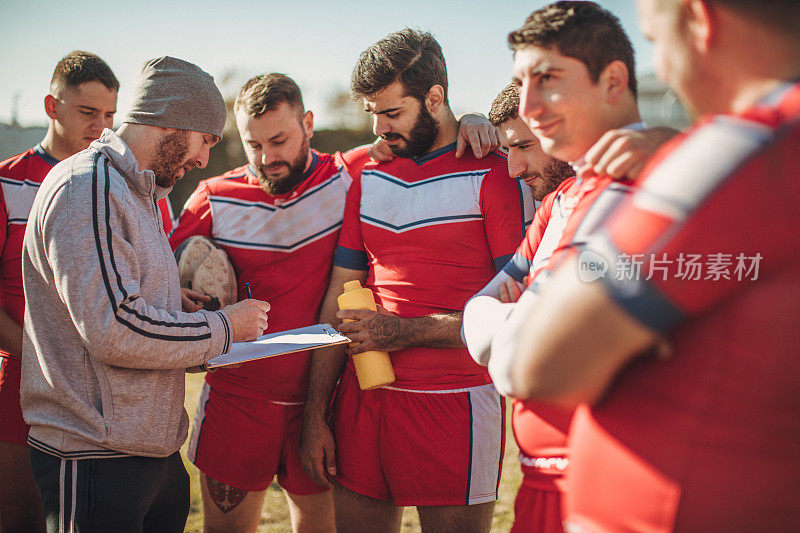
(106, 341)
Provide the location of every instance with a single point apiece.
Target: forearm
(10, 335)
(504, 344)
(483, 317)
(432, 331)
(385, 332)
(327, 363)
(486, 312)
(326, 366)
(565, 344)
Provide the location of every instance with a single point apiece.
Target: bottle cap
(351, 285)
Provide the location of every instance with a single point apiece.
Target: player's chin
(399, 149)
(275, 175)
(276, 169)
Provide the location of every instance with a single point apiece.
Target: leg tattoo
(225, 497)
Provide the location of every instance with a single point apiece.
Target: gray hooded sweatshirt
(106, 344)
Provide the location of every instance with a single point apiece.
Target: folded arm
(566, 343)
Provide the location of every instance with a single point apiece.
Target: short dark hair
(266, 92)
(505, 106)
(581, 30)
(412, 57)
(79, 67)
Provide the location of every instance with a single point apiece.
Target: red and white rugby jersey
(20, 177)
(432, 232)
(708, 439)
(565, 219)
(283, 245)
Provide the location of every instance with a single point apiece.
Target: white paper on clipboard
(279, 343)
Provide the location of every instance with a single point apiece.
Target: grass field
(275, 514)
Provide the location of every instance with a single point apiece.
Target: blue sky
(316, 42)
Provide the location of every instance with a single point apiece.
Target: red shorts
(419, 447)
(537, 510)
(13, 428)
(245, 442)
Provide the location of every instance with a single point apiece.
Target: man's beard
(421, 137)
(552, 174)
(277, 186)
(170, 157)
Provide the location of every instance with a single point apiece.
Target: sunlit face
(528, 162)
(277, 145)
(402, 121)
(179, 152)
(675, 63)
(559, 101)
(81, 113)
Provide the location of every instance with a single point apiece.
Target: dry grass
(275, 514)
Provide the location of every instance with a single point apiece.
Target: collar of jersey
(49, 159)
(433, 155)
(774, 97)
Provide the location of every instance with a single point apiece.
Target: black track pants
(123, 495)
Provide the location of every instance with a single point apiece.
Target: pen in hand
(247, 289)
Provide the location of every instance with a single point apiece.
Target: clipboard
(280, 343)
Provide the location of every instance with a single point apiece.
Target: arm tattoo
(388, 331)
(225, 497)
(440, 330)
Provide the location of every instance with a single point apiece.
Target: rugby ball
(204, 266)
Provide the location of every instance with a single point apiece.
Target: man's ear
(50, 103)
(614, 80)
(700, 22)
(434, 99)
(308, 124)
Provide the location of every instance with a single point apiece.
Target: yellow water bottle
(373, 369)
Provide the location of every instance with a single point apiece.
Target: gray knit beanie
(173, 93)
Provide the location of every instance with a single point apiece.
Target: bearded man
(425, 232)
(105, 343)
(278, 219)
